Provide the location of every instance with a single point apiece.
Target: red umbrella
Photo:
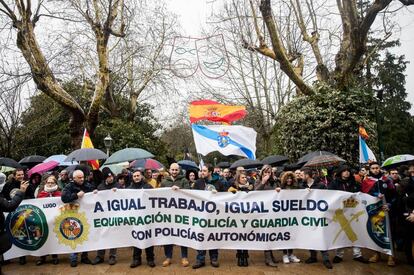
(43, 167)
(146, 163)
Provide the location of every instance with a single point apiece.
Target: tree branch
(278, 48)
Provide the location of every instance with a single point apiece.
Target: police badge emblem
(71, 227)
(377, 226)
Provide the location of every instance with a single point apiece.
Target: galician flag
(228, 140)
(87, 143)
(365, 154)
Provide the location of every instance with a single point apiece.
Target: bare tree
(352, 38)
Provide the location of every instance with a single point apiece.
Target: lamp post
(108, 143)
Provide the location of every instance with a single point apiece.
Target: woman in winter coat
(266, 181)
(288, 181)
(51, 189)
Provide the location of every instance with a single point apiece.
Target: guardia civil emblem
(377, 226)
(27, 227)
(345, 217)
(71, 226)
(223, 139)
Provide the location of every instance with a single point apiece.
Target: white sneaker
(294, 259)
(286, 259)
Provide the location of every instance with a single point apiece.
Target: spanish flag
(87, 143)
(214, 111)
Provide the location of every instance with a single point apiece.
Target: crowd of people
(396, 186)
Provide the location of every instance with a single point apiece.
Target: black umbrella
(304, 159)
(275, 160)
(9, 163)
(246, 163)
(223, 164)
(86, 154)
(291, 167)
(188, 165)
(31, 161)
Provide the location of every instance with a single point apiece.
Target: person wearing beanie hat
(108, 183)
(345, 181)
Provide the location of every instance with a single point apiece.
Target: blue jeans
(168, 251)
(74, 256)
(201, 255)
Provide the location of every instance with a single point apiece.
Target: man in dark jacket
(208, 182)
(379, 185)
(18, 177)
(109, 183)
(9, 206)
(309, 183)
(138, 182)
(345, 181)
(176, 181)
(75, 190)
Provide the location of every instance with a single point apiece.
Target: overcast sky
(194, 16)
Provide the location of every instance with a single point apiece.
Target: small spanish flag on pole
(87, 143)
(214, 111)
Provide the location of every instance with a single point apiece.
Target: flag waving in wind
(87, 143)
(228, 140)
(214, 111)
(365, 153)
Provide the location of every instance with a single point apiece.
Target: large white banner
(258, 220)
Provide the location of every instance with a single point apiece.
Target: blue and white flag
(227, 139)
(365, 154)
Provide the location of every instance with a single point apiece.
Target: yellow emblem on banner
(344, 223)
(71, 227)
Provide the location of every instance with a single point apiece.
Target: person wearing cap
(108, 183)
(175, 181)
(345, 181)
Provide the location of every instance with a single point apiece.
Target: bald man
(73, 191)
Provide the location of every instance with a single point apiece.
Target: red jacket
(44, 194)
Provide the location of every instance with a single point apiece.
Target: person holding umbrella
(72, 192)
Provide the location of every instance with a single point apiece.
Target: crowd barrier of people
(395, 185)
